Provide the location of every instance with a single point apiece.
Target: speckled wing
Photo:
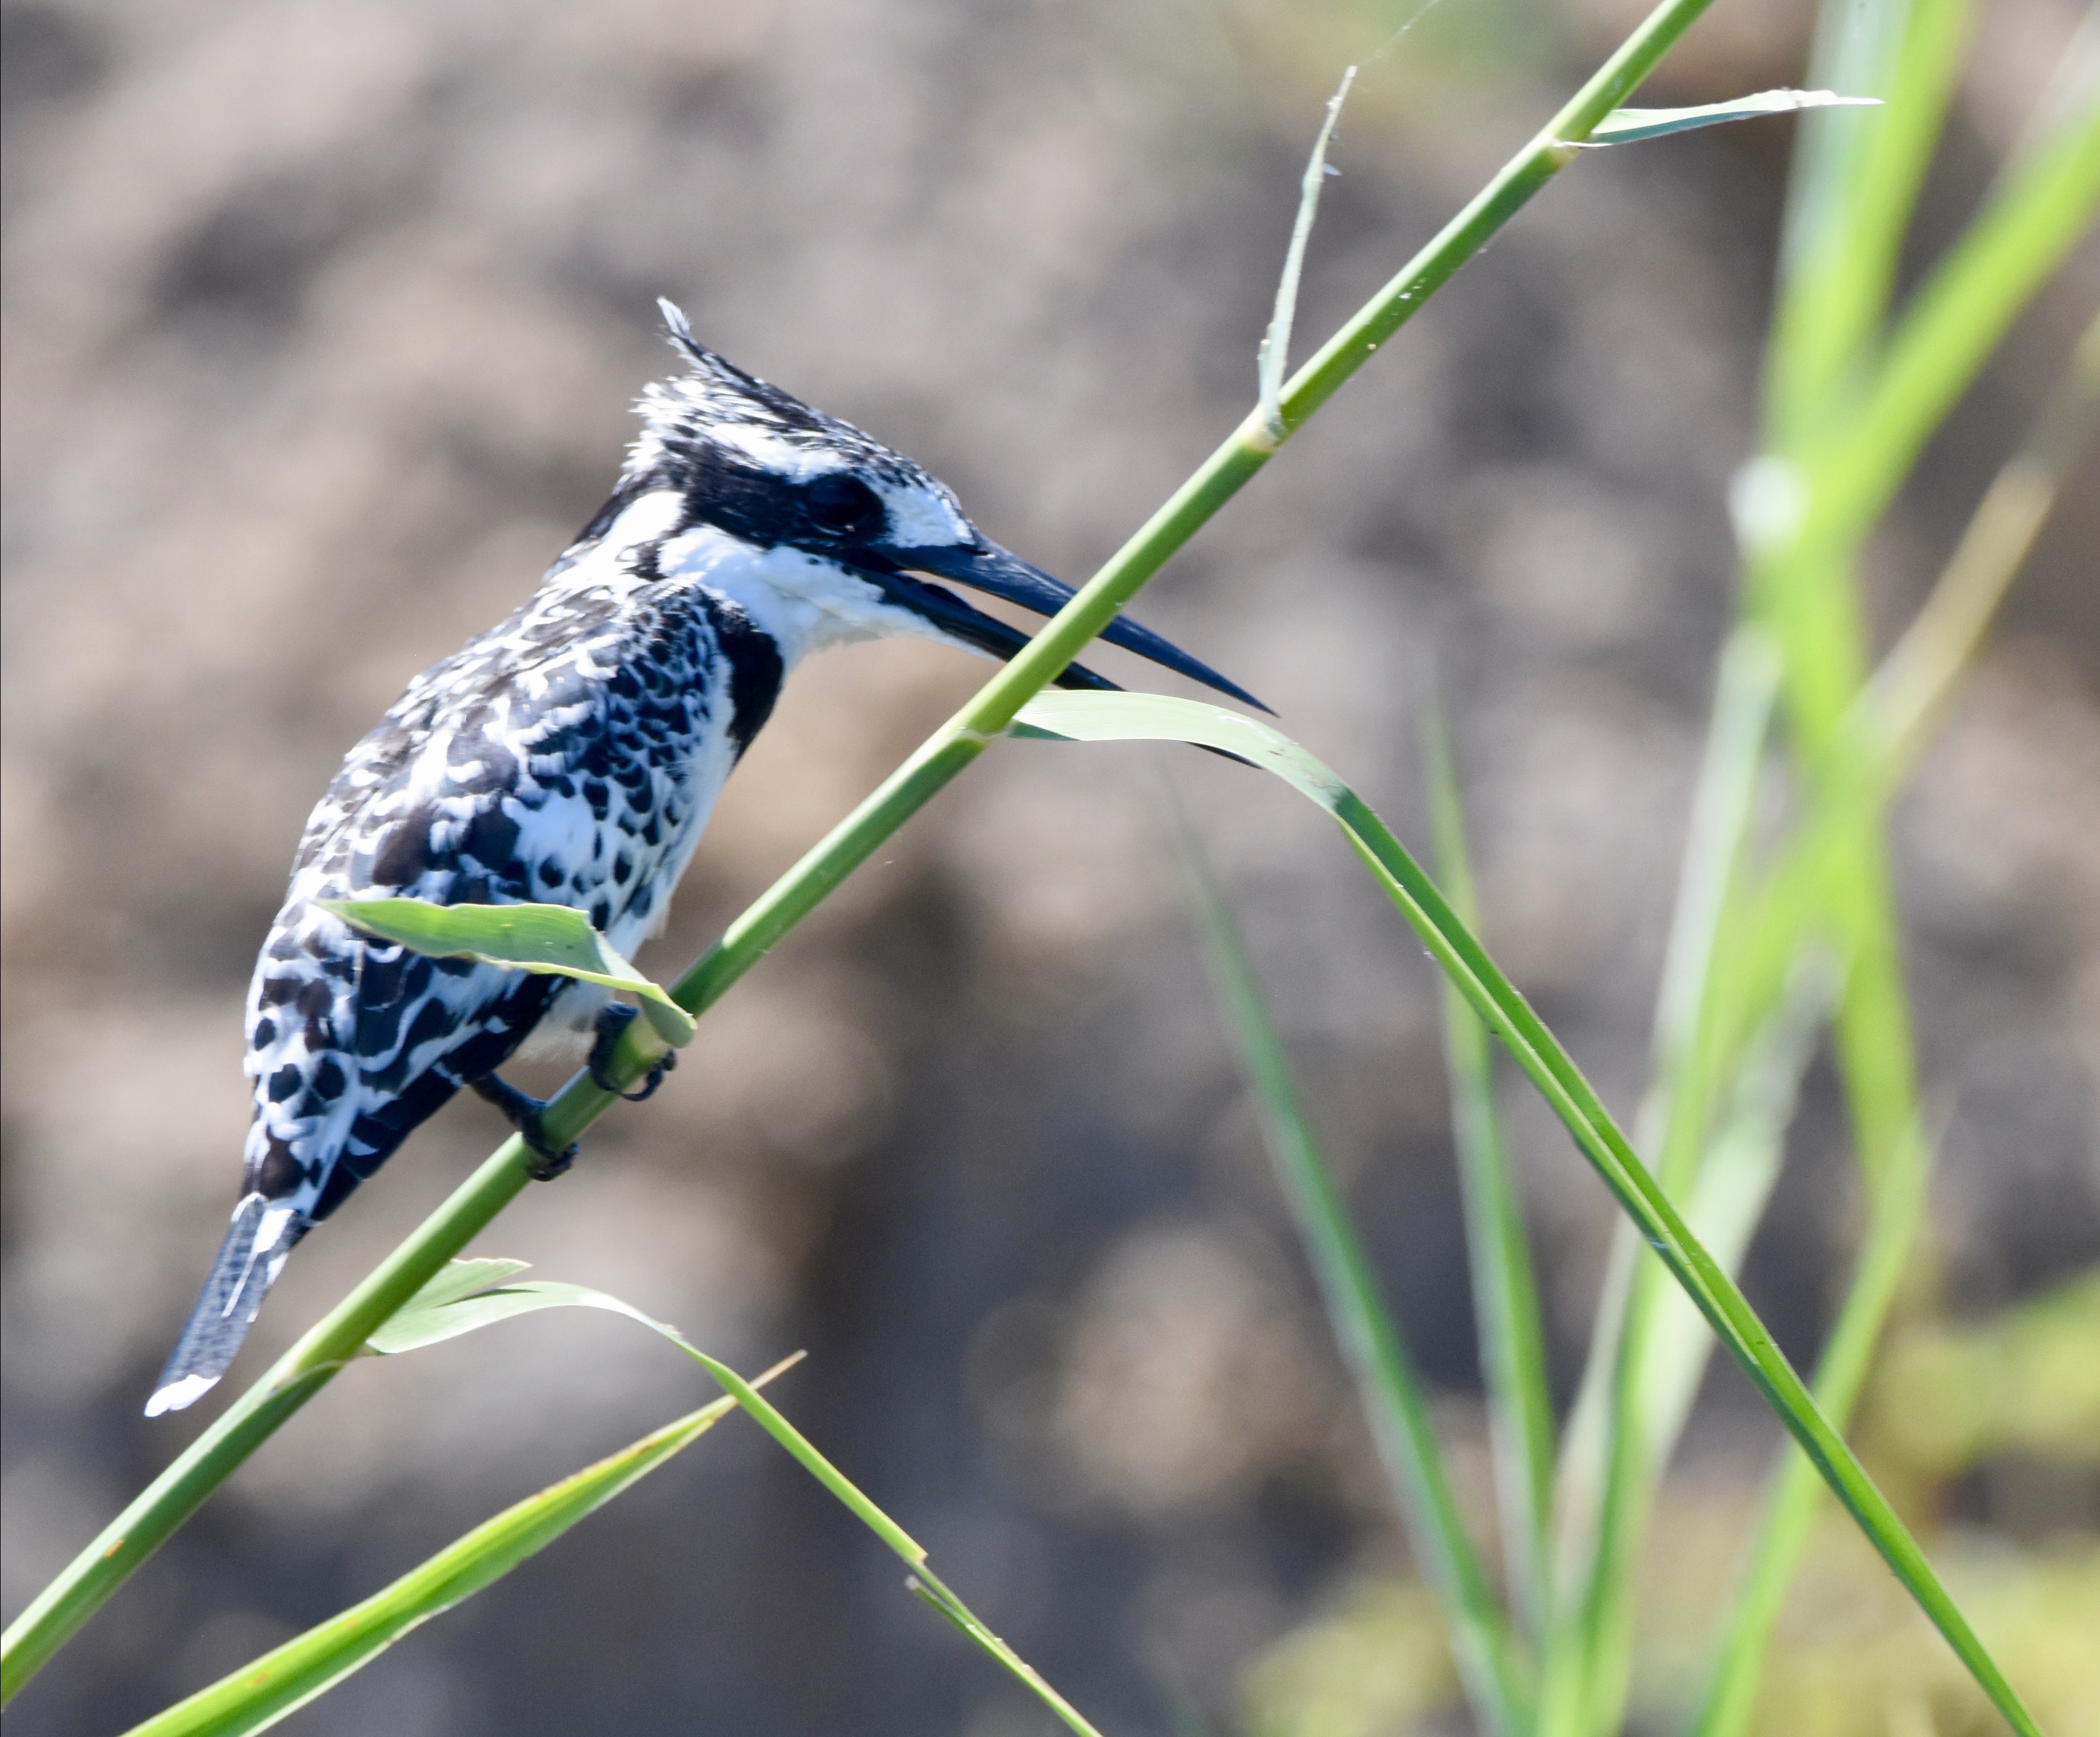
(570, 756)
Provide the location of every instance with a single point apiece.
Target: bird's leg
(523, 1111)
(613, 1019)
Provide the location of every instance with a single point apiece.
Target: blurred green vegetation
(1850, 1656)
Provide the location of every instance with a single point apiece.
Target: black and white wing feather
(571, 755)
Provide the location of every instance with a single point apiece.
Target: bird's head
(846, 525)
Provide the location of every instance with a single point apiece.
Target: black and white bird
(572, 756)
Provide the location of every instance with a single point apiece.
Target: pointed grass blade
(260, 1693)
(462, 1298)
(923, 1582)
(1155, 717)
(1622, 126)
(464, 1311)
(1398, 1408)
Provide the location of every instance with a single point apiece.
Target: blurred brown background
(322, 320)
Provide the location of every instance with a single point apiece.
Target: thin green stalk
(85, 1584)
(1602, 1464)
(1495, 1675)
(1588, 1466)
(1790, 1510)
(1512, 1332)
(1723, 805)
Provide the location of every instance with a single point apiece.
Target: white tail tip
(179, 1394)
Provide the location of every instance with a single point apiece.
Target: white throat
(804, 602)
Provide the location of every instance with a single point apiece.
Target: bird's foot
(614, 1019)
(523, 1111)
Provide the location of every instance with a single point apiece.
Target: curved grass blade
(1728, 1202)
(1496, 1677)
(464, 1312)
(434, 1314)
(552, 939)
(285, 1678)
(923, 1581)
(1145, 716)
(1663, 1352)
(1622, 126)
(1512, 1332)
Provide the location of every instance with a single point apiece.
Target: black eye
(844, 506)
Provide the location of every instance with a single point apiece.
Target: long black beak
(992, 569)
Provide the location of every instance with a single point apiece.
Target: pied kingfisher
(572, 756)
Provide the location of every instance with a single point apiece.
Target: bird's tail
(260, 1236)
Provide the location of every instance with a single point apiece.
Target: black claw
(613, 1019)
(524, 1110)
(656, 1078)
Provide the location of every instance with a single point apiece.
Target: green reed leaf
(553, 940)
(285, 1678)
(1622, 126)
